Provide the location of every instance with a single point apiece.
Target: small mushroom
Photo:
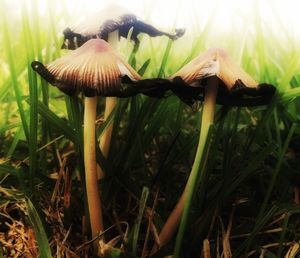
(94, 69)
(213, 77)
(110, 19)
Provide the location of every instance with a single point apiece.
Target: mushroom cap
(215, 62)
(94, 68)
(236, 87)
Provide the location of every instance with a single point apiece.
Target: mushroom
(214, 78)
(94, 69)
(236, 87)
(109, 24)
(110, 19)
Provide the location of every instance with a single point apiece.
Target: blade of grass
(165, 58)
(4, 90)
(36, 34)
(283, 234)
(277, 129)
(16, 139)
(137, 224)
(144, 67)
(6, 169)
(33, 137)
(38, 227)
(56, 122)
(75, 118)
(33, 96)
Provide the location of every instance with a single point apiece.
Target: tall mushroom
(109, 24)
(95, 69)
(212, 77)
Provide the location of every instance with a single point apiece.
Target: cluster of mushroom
(96, 69)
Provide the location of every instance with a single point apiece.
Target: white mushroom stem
(93, 197)
(184, 202)
(110, 103)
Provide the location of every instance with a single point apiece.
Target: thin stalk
(33, 97)
(207, 121)
(165, 58)
(110, 103)
(184, 203)
(93, 197)
(43, 84)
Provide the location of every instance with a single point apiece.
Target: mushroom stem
(93, 197)
(183, 205)
(207, 121)
(110, 103)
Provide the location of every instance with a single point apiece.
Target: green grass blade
(6, 169)
(33, 137)
(75, 118)
(283, 234)
(16, 139)
(137, 224)
(4, 90)
(38, 227)
(144, 67)
(33, 96)
(58, 124)
(165, 58)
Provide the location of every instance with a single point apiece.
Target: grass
(251, 179)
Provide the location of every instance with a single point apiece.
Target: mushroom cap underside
(94, 69)
(239, 95)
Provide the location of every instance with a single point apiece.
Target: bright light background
(277, 15)
(226, 14)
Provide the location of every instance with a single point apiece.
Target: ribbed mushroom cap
(94, 68)
(215, 62)
(236, 87)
